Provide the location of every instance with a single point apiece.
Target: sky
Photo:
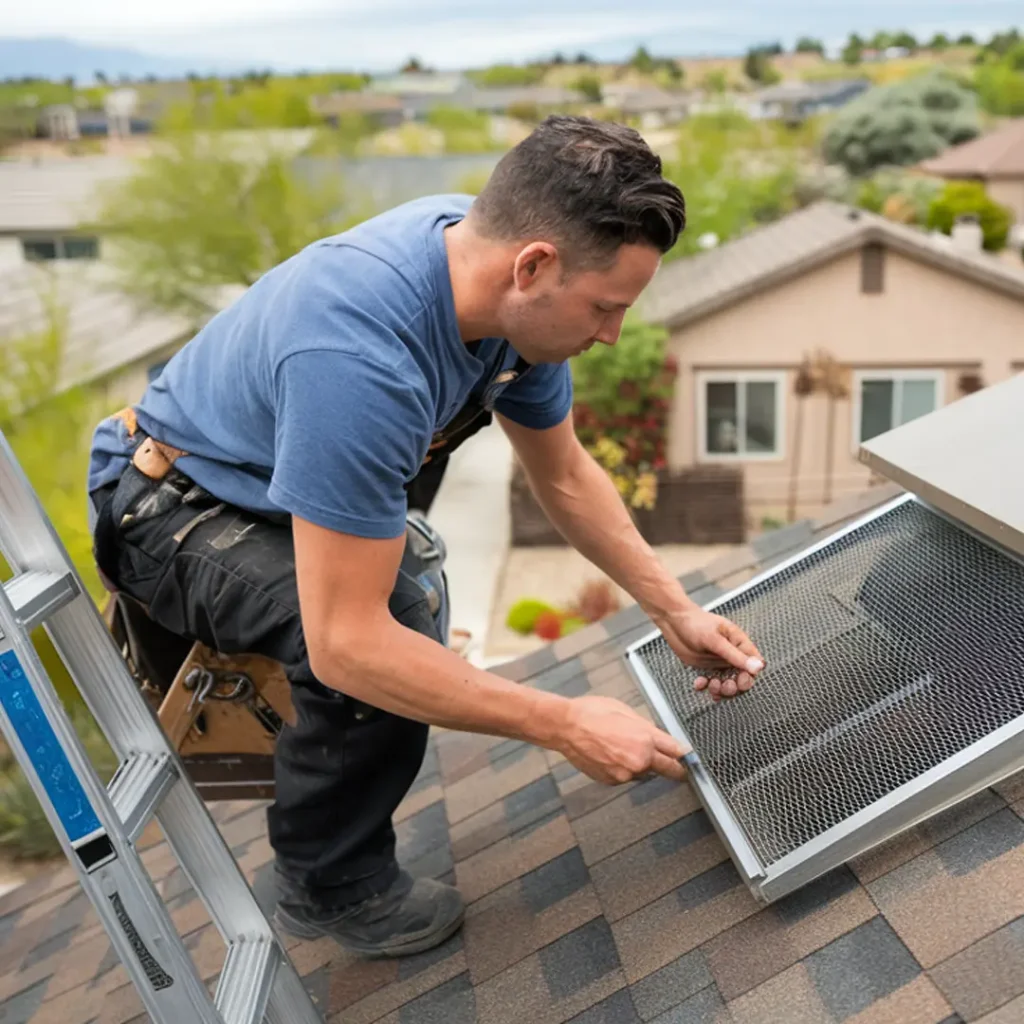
(378, 34)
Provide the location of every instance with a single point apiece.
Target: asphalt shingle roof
(105, 329)
(997, 154)
(601, 905)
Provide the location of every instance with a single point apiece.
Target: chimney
(967, 234)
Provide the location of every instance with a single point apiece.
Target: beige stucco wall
(1009, 193)
(925, 319)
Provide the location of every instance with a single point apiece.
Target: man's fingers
(728, 687)
(746, 645)
(744, 681)
(701, 683)
(670, 767)
(669, 745)
(728, 652)
(715, 686)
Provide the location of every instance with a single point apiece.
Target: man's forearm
(410, 675)
(584, 505)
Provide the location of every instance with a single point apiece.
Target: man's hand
(612, 743)
(708, 641)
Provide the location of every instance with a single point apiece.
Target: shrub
(897, 194)
(960, 198)
(622, 395)
(902, 124)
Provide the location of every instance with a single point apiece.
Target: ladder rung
(246, 980)
(138, 787)
(36, 595)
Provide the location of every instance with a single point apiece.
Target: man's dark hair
(588, 186)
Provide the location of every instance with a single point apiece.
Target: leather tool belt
(152, 458)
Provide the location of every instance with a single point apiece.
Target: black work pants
(226, 577)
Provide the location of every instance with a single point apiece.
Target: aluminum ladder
(98, 825)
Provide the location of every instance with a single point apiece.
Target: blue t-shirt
(319, 391)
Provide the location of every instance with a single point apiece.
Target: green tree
(735, 173)
(715, 81)
(966, 40)
(969, 198)
(882, 41)
(939, 41)
(757, 66)
(590, 85)
(1000, 88)
(464, 131)
(853, 51)
(901, 124)
(642, 61)
(906, 41)
(805, 44)
(509, 75)
(1002, 42)
(199, 216)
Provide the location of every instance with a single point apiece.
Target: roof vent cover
(892, 649)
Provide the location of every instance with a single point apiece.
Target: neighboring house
(655, 108)
(376, 183)
(382, 109)
(421, 91)
(796, 101)
(996, 159)
(914, 321)
(108, 339)
(119, 117)
(545, 98)
(43, 202)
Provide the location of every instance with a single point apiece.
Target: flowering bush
(621, 408)
(595, 601)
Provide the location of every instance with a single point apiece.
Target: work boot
(410, 917)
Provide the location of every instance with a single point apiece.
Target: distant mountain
(56, 58)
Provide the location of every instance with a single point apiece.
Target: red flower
(548, 626)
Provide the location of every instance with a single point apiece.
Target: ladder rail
(96, 825)
(89, 831)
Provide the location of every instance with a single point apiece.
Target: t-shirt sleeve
(542, 398)
(350, 433)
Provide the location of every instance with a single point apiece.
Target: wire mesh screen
(887, 652)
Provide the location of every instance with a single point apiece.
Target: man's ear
(533, 264)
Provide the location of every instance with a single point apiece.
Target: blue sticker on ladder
(45, 752)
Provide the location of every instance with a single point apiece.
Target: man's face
(550, 316)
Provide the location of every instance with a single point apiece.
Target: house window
(61, 247)
(740, 415)
(887, 401)
(872, 269)
(39, 248)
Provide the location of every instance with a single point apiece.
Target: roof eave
(867, 233)
(764, 282)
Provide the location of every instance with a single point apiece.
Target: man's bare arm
(356, 646)
(583, 504)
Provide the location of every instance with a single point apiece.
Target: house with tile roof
(909, 321)
(996, 159)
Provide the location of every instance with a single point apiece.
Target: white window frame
(896, 376)
(739, 377)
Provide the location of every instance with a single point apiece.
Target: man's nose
(610, 329)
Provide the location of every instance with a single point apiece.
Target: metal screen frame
(960, 776)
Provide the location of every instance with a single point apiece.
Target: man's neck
(475, 268)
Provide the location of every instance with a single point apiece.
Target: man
(255, 499)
